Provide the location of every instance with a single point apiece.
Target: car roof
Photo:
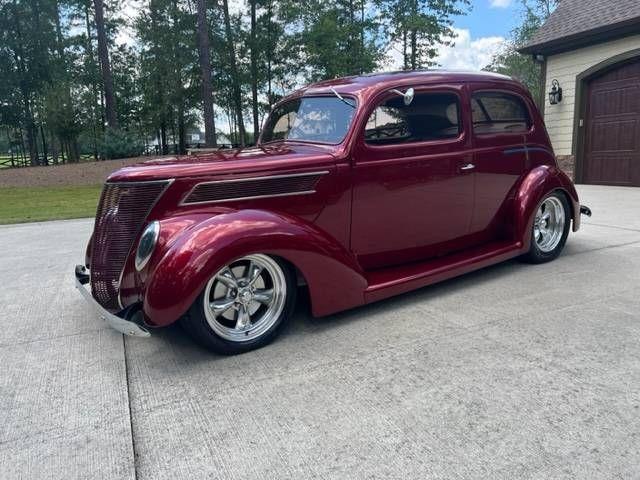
(375, 81)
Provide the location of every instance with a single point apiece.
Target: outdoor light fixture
(555, 95)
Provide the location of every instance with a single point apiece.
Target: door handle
(467, 166)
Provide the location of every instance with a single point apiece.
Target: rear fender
(189, 259)
(539, 182)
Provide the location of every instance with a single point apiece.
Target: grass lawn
(33, 204)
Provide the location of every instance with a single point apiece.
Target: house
(590, 49)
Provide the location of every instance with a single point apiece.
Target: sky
(480, 34)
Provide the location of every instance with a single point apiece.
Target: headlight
(147, 243)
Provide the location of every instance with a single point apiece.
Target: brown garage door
(612, 143)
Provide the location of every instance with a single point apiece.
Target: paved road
(516, 371)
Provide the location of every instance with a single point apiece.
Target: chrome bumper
(120, 324)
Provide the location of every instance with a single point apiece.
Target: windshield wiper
(340, 97)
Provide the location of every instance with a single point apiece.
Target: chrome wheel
(548, 225)
(244, 299)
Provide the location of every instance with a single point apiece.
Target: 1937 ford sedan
(359, 188)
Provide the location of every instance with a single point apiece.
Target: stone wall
(568, 164)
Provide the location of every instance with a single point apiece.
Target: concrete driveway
(513, 372)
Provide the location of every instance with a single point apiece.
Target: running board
(392, 281)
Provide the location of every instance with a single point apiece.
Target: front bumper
(119, 323)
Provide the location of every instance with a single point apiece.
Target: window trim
(512, 93)
(419, 89)
(350, 96)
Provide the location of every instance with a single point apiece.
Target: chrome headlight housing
(147, 244)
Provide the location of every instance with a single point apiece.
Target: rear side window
(430, 116)
(497, 112)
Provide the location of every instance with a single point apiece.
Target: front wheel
(244, 305)
(550, 229)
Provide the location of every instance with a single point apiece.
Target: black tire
(536, 253)
(196, 323)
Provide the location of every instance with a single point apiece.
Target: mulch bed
(85, 173)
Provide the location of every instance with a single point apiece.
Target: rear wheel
(550, 228)
(244, 305)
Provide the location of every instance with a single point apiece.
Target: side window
(283, 125)
(496, 112)
(431, 116)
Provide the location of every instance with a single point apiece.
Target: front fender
(187, 262)
(539, 182)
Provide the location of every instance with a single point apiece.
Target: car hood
(279, 156)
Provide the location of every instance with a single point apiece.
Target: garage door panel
(612, 143)
(610, 170)
(614, 136)
(616, 99)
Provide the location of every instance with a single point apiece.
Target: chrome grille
(121, 213)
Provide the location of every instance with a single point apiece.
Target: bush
(120, 144)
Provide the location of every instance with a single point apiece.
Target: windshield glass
(310, 119)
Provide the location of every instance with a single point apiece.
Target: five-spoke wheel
(243, 304)
(550, 228)
(245, 298)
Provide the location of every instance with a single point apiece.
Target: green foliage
(119, 144)
(52, 93)
(418, 27)
(523, 67)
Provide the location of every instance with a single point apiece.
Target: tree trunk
(94, 89)
(204, 55)
(30, 129)
(63, 60)
(59, 45)
(270, 49)
(413, 48)
(45, 153)
(163, 138)
(254, 73)
(405, 63)
(54, 149)
(72, 150)
(237, 95)
(362, 17)
(182, 144)
(414, 37)
(28, 123)
(103, 54)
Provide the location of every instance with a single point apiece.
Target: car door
(412, 189)
(501, 120)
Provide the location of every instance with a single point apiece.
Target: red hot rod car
(359, 188)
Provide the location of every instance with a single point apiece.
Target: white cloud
(499, 3)
(468, 53)
(465, 54)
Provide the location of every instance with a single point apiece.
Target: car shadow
(304, 324)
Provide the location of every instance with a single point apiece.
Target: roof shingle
(579, 20)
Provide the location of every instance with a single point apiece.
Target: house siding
(565, 67)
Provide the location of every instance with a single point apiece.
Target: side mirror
(407, 96)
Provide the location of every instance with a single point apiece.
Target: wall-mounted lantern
(555, 95)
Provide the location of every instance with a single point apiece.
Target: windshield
(310, 119)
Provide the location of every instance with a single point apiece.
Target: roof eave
(584, 39)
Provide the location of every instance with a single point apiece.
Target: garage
(589, 57)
